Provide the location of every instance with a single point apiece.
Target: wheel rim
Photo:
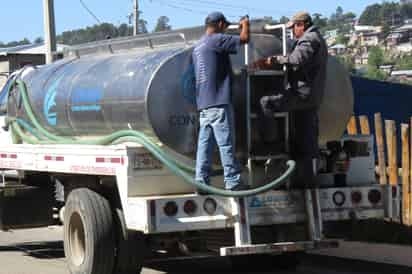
(77, 239)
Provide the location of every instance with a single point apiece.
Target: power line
(89, 11)
(217, 5)
(180, 7)
(184, 8)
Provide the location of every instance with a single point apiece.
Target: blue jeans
(217, 127)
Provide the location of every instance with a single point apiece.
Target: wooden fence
(388, 169)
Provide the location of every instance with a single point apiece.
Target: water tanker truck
(103, 142)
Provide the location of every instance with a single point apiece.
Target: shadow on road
(242, 264)
(38, 250)
(306, 264)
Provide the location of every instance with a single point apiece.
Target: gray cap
(302, 16)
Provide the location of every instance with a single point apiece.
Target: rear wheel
(131, 248)
(89, 239)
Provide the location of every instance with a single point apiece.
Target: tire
(89, 238)
(131, 248)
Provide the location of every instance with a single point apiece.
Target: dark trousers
(304, 133)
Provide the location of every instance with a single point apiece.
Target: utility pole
(136, 17)
(49, 30)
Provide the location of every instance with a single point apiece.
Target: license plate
(145, 161)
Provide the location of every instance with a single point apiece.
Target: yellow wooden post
(381, 149)
(364, 124)
(405, 175)
(410, 181)
(352, 128)
(392, 153)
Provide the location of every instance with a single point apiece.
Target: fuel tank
(152, 90)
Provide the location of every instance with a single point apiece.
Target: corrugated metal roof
(30, 49)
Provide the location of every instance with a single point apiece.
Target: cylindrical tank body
(153, 91)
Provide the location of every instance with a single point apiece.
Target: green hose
(173, 165)
(106, 140)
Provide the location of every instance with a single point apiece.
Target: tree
(143, 26)
(38, 40)
(342, 39)
(283, 20)
(319, 21)
(389, 13)
(404, 63)
(406, 11)
(162, 24)
(376, 74)
(269, 20)
(386, 29)
(98, 32)
(375, 57)
(339, 13)
(25, 41)
(371, 15)
(349, 16)
(125, 30)
(336, 17)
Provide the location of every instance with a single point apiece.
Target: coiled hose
(39, 135)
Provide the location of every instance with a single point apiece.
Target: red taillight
(374, 196)
(210, 206)
(170, 209)
(356, 197)
(190, 207)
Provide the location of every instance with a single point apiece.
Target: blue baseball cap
(215, 17)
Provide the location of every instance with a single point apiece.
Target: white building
(14, 58)
(337, 49)
(365, 29)
(400, 39)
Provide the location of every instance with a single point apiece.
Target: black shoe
(266, 107)
(240, 187)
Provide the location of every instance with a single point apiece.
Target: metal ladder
(255, 75)
(240, 205)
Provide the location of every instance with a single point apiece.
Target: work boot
(270, 104)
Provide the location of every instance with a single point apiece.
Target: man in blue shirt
(213, 71)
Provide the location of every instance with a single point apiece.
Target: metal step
(266, 73)
(277, 248)
(267, 157)
(276, 115)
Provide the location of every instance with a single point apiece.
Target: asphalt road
(41, 251)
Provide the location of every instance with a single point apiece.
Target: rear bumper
(273, 208)
(277, 248)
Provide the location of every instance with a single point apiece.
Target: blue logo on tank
(49, 105)
(87, 99)
(188, 83)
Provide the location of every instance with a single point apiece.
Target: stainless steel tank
(153, 91)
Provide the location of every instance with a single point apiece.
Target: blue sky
(24, 18)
